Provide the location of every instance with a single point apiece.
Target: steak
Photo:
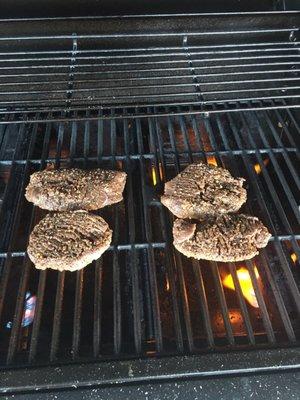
(75, 189)
(203, 190)
(68, 241)
(234, 237)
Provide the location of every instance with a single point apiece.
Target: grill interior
(190, 64)
(142, 297)
(149, 97)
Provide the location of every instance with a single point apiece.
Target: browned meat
(223, 238)
(203, 190)
(75, 189)
(68, 241)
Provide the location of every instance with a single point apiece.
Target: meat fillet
(75, 189)
(68, 241)
(203, 190)
(234, 237)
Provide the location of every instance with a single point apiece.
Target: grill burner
(143, 299)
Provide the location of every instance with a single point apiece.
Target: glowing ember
(157, 176)
(4, 176)
(119, 163)
(258, 168)
(294, 257)
(154, 178)
(236, 322)
(245, 283)
(160, 171)
(167, 285)
(211, 160)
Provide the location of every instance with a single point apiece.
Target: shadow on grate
(142, 297)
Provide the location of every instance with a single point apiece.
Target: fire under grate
(142, 298)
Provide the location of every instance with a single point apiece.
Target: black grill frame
(224, 360)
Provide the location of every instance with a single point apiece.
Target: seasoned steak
(75, 189)
(203, 190)
(68, 241)
(234, 237)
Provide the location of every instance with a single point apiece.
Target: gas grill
(149, 95)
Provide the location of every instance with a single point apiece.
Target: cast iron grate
(142, 298)
(194, 64)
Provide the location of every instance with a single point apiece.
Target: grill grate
(251, 65)
(142, 297)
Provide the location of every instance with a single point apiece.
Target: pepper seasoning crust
(68, 240)
(235, 237)
(202, 190)
(75, 189)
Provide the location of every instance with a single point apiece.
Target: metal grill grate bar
(261, 303)
(37, 319)
(279, 300)
(132, 72)
(182, 108)
(43, 274)
(242, 303)
(223, 303)
(57, 316)
(149, 52)
(161, 174)
(283, 44)
(132, 237)
(147, 35)
(98, 286)
(79, 274)
(204, 303)
(182, 284)
(152, 272)
(61, 277)
(97, 307)
(104, 68)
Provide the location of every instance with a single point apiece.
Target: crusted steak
(203, 190)
(75, 189)
(223, 238)
(68, 241)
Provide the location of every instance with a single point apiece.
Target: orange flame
(245, 283)
(154, 174)
(167, 285)
(151, 353)
(160, 171)
(154, 177)
(258, 168)
(211, 160)
(208, 147)
(294, 257)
